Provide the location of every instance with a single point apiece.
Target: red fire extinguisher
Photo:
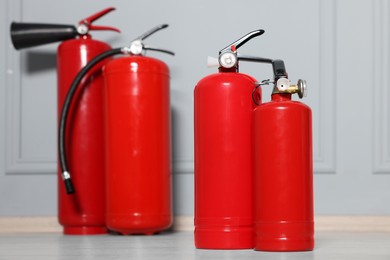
(138, 149)
(283, 169)
(223, 153)
(84, 211)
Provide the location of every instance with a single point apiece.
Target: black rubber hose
(64, 115)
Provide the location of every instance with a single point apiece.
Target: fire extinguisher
(223, 153)
(82, 212)
(137, 133)
(283, 168)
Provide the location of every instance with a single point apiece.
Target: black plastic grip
(24, 35)
(279, 69)
(69, 186)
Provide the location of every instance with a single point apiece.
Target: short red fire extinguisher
(283, 205)
(137, 133)
(82, 212)
(223, 153)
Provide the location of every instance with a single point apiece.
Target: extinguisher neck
(222, 69)
(85, 37)
(281, 97)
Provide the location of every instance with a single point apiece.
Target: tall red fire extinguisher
(223, 153)
(138, 144)
(283, 169)
(82, 212)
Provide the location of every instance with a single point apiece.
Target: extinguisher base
(85, 230)
(139, 224)
(284, 236)
(224, 238)
(290, 245)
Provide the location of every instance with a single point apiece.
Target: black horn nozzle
(25, 35)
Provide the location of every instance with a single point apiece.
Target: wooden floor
(330, 245)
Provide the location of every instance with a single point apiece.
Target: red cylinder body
(82, 212)
(223, 161)
(138, 157)
(283, 176)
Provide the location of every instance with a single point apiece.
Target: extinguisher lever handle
(151, 31)
(92, 18)
(237, 44)
(137, 46)
(160, 50)
(85, 25)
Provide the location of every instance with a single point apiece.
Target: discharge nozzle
(25, 35)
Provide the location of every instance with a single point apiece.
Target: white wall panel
(324, 120)
(30, 109)
(381, 102)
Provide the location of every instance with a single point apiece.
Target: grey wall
(339, 47)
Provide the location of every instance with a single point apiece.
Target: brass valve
(283, 85)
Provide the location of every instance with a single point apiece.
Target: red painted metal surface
(82, 212)
(138, 153)
(223, 161)
(283, 176)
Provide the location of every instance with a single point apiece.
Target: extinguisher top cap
(228, 60)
